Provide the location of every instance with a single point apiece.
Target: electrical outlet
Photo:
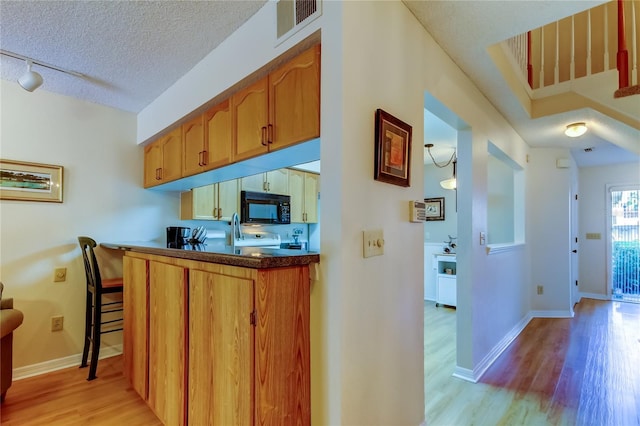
(59, 275)
(57, 323)
(540, 289)
(372, 243)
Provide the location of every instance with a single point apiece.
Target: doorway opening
(624, 243)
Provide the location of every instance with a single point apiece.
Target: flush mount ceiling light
(452, 182)
(576, 129)
(31, 80)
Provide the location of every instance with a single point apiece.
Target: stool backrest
(91, 269)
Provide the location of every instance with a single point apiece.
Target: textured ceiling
(131, 51)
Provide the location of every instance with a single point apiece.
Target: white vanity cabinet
(446, 280)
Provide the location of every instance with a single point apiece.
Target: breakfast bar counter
(246, 257)
(218, 335)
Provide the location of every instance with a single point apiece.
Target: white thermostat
(417, 211)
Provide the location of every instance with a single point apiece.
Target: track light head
(30, 80)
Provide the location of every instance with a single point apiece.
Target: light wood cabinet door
(163, 159)
(282, 360)
(296, 191)
(204, 203)
(294, 100)
(220, 349)
(311, 190)
(278, 181)
(167, 341)
(218, 136)
(193, 147)
(249, 115)
(303, 189)
(228, 197)
(255, 183)
(152, 164)
(136, 322)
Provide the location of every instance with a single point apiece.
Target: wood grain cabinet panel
(167, 341)
(294, 100)
(220, 349)
(217, 201)
(163, 159)
(218, 135)
(250, 120)
(193, 147)
(282, 358)
(303, 189)
(280, 110)
(136, 322)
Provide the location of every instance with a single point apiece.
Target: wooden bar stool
(95, 307)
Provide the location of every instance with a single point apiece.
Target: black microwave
(265, 208)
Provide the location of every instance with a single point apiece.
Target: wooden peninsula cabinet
(227, 345)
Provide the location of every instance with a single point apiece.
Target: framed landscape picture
(393, 149)
(30, 181)
(434, 208)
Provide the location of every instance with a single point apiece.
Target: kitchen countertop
(247, 257)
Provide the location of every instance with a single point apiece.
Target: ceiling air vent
(293, 15)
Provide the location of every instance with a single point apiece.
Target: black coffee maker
(177, 236)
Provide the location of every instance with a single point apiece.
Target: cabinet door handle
(264, 136)
(268, 186)
(159, 173)
(205, 157)
(219, 213)
(270, 134)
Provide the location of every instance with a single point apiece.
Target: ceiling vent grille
(293, 15)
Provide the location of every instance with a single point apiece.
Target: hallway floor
(584, 371)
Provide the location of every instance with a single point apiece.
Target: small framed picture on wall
(434, 208)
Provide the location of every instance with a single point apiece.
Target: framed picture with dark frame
(393, 149)
(434, 208)
(24, 181)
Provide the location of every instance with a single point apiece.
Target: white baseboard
(596, 296)
(60, 363)
(551, 314)
(464, 374)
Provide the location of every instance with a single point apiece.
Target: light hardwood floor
(66, 398)
(579, 371)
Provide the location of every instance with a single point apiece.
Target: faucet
(236, 231)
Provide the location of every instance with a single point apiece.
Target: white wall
(549, 230)
(103, 198)
(592, 211)
(439, 231)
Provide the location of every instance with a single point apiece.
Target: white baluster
(588, 42)
(572, 71)
(606, 38)
(556, 69)
(634, 46)
(541, 57)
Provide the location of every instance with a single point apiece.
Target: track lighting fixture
(452, 182)
(576, 129)
(30, 80)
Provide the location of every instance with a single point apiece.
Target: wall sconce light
(576, 129)
(450, 183)
(30, 80)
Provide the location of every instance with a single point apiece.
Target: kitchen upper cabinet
(217, 201)
(275, 181)
(249, 116)
(280, 110)
(294, 101)
(207, 140)
(167, 341)
(221, 349)
(163, 159)
(134, 337)
(303, 189)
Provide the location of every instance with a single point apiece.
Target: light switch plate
(372, 243)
